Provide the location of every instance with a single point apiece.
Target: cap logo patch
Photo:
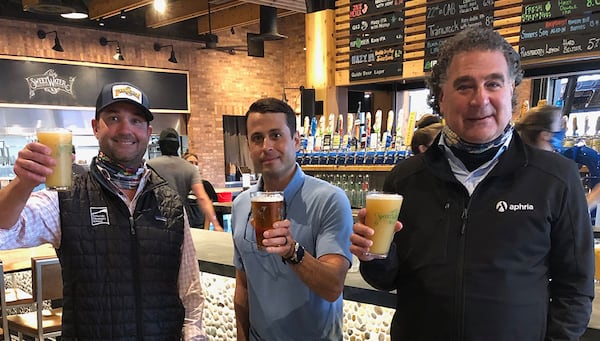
(128, 92)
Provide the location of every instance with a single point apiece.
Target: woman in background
(208, 188)
(541, 127)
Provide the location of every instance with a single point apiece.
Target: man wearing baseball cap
(128, 261)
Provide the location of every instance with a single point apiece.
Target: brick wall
(220, 84)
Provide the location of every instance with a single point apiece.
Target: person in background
(208, 188)
(427, 120)
(181, 175)
(495, 241)
(423, 137)
(293, 289)
(124, 245)
(75, 167)
(540, 127)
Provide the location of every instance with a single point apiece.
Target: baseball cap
(169, 134)
(123, 92)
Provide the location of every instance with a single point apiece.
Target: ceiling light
(160, 6)
(78, 10)
(118, 55)
(158, 47)
(57, 46)
(123, 15)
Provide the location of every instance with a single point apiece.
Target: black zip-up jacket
(120, 270)
(514, 261)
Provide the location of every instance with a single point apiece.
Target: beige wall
(220, 84)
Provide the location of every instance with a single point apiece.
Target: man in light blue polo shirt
(292, 290)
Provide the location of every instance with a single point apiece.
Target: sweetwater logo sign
(50, 82)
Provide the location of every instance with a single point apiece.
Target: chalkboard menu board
(446, 18)
(555, 28)
(376, 39)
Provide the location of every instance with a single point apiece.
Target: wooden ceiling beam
(183, 10)
(242, 15)
(99, 9)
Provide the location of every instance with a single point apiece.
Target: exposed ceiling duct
(268, 25)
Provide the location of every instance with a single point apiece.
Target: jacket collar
(513, 158)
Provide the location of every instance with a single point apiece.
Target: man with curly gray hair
(495, 241)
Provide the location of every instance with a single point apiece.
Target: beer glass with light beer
(267, 208)
(60, 141)
(382, 214)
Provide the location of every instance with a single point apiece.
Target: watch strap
(296, 257)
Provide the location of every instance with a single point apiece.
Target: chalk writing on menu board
(447, 18)
(445, 9)
(579, 43)
(370, 7)
(389, 21)
(376, 39)
(545, 10)
(377, 71)
(558, 28)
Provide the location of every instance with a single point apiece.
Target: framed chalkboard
(376, 39)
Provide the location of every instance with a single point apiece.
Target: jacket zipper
(136, 280)
(460, 304)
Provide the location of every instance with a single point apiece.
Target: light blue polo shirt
(281, 306)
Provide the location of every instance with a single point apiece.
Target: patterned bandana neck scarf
(453, 140)
(119, 175)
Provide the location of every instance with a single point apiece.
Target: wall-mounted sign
(383, 55)
(389, 21)
(37, 82)
(377, 40)
(551, 9)
(370, 7)
(450, 27)
(377, 71)
(567, 45)
(445, 9)
(558, 27)
(446, 18)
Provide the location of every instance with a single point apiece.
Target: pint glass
(382, 214)
(60, 141)
(267, 208)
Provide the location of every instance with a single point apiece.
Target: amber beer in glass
(382, 214)
(267, 208)
(60, 141)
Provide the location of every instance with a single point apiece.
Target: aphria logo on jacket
(502, 206)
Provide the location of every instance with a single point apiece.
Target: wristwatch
(297, 256)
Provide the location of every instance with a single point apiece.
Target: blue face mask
(557, 140)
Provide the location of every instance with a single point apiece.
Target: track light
(158, 47)
(118, 55)
(57, 47)
(232, 30)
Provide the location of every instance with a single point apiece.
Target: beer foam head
(384, 196)
(267, 197)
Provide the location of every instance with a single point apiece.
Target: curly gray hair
(471, 39)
